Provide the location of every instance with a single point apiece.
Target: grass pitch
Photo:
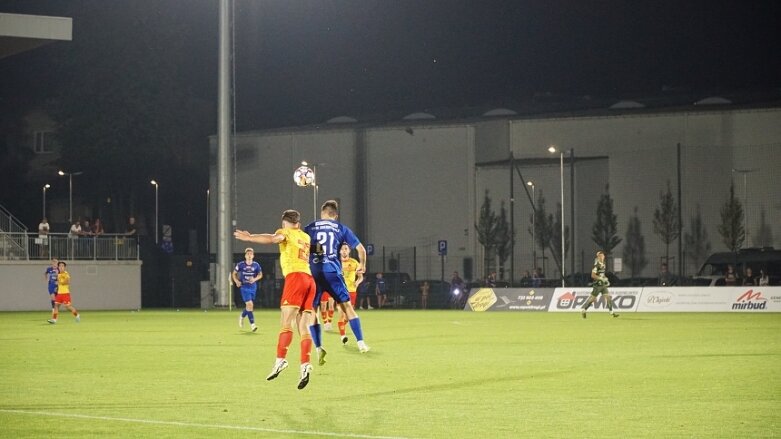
(430, 374)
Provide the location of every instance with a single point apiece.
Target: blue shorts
(52, 289)
(247, 294)
(332, 282)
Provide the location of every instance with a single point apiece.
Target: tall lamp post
(552, 150)
(157, 228)
(70, 192)
(534, 225)
(43, 191)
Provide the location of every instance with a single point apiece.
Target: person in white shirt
(43, 236)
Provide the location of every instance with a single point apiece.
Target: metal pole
(534, 230)
(44, 202)
(561, 164)
(157, 225)
(512, 222)
(572, 215)
(745, 207)
(224, 226)
(70, 198)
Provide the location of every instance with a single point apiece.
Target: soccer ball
(304, 176)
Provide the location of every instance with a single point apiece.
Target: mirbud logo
(750, 301)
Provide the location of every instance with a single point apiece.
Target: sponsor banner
(510, 299)
(572, 299)
(711, 299)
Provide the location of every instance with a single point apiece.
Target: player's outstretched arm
(260, 238)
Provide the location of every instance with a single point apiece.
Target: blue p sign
(442, 247)
(369, 249)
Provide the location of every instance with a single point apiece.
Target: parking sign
(442, 247)
(369, 249)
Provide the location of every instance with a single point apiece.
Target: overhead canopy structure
(19, 33)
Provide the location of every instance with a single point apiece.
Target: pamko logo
(570, 300)
(750, 300)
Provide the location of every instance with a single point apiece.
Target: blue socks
(355, 325)
(317, 335)
(251, 316)
(244, 313)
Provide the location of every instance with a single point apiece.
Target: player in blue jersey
(51, 278)
(246, 275)
(328, 235)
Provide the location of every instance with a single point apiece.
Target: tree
(555, 237)
(764, 235)
(603, 233)
(666, 223)
(485, 227)
(542, 225)
(731, 229)
(696, 242)
(634, 246)
(503, 239)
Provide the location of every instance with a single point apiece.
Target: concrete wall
(422, 185)
(95, 285)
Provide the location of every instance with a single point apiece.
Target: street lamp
(70, 192)
(157, 187)
(43, 190)
(552, 150)
(534, 225)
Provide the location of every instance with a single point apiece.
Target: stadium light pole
(43, 191)
(534, 225)
(552, 150)
(157, 187)
(70, 192)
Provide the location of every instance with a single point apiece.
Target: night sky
(306, 61)
(303, 62)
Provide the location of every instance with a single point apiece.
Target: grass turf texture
(435, 374)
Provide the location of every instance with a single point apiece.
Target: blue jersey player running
(51, 277)
(246, 275)
(328, 235)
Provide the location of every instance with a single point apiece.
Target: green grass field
(435, 374)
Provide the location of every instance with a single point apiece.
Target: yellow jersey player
(63, 296)
(352, 279)
(297, 294)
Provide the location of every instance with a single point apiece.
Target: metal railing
(29, 246)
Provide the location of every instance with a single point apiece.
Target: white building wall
(423, 185)
(420, 191)
(641, 152)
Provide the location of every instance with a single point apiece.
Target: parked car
(766, 258)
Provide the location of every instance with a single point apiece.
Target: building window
(44, 142)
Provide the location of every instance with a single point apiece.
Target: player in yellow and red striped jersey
(352, 279)
(297, 294)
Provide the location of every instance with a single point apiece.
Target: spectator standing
(456, 289)
(730, 278)
(536, 278)
(764, 280)
(97, 227)
(665, 277)
(380, 290)
(425, 289)
(749, 278)
(43, 237)
(490, 281)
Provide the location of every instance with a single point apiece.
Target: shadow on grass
(450, 386)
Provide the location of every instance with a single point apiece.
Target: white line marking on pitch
(190, 424)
